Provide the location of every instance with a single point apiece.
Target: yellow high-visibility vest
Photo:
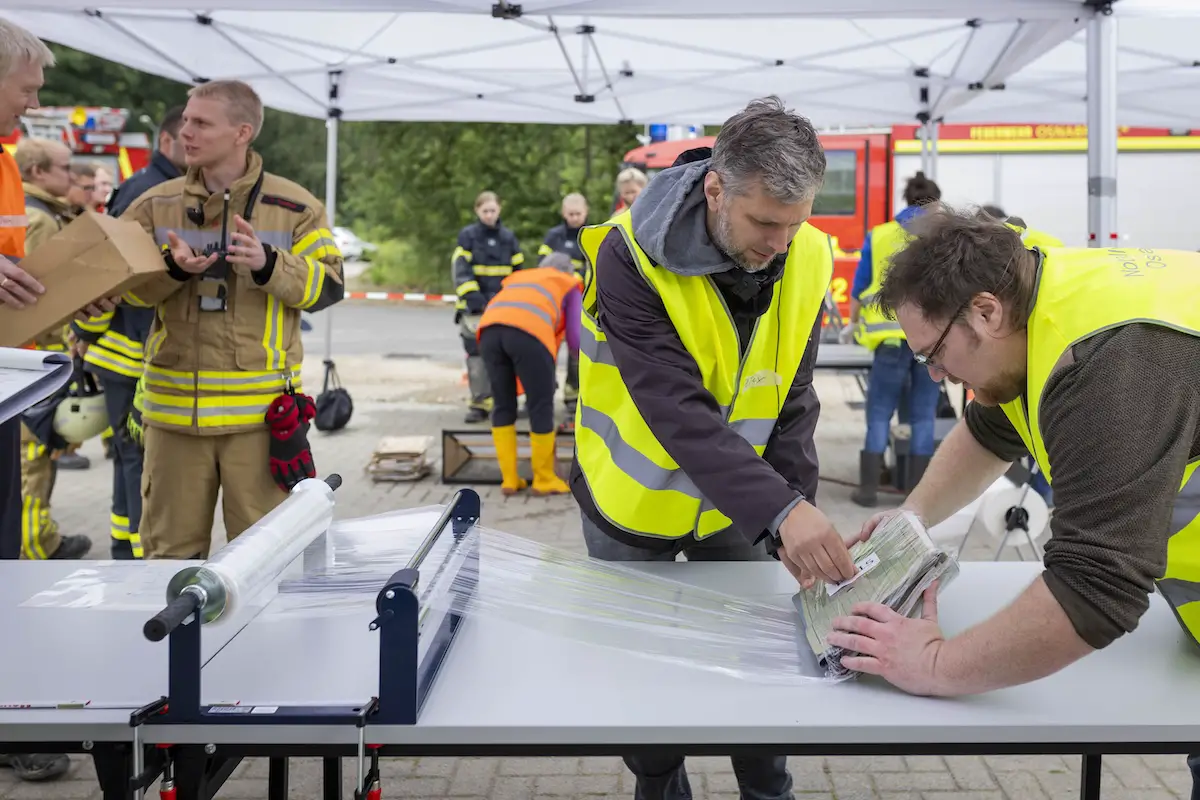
(1032, 237)
(873, 327)
(1083, 291)
(634, 483)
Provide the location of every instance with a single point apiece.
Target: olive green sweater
(1120, 421)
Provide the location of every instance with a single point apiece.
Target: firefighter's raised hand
(185, 258)
(246, 249)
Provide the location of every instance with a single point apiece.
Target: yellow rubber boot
(545, 480)
(505, 439)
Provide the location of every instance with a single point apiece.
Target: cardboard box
(93, 257)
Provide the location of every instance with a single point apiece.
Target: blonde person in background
(103, 188)
(46, 180)
(564, 238)
(630, 182)
(222, 409)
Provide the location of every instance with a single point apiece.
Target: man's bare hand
(811, 543)
(185, 258)
(18, 288)
(246, 250)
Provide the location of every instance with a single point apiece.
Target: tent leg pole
(331, 177)
(1102, 129)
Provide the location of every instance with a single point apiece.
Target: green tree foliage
(407, 187)
(417, 183)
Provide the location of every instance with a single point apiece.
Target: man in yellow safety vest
(694, 426)
(1088, 360)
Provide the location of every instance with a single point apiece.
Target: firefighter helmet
(81, 414)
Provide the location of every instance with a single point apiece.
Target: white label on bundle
(864, 566)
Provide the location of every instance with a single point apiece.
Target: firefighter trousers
(39, 532)
(181, 475)
(126, 514)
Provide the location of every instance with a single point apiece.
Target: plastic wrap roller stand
(409, 658)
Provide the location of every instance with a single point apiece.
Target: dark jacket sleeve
(792, 450)
(992, 428)
(1119, 425)
(666, 386)
(518, 255)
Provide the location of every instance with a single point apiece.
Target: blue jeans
(1194, 764)
(892, 369)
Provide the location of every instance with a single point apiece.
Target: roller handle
(334, 481)
(171, 617)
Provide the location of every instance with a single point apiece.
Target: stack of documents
(400, 458)
(895, 567)
(29, 376)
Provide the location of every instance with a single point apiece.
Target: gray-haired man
(694, 430)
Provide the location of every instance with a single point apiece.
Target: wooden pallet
(469, 456)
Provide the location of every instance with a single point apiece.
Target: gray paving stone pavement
(422, 394)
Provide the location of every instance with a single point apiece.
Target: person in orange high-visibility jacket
(519, 336)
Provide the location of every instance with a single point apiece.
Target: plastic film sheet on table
(567, 595)
(570, 596)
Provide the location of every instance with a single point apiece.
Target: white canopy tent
(850, 63)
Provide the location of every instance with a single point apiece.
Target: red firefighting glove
(291, 460)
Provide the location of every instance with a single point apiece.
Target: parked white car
(350, 244)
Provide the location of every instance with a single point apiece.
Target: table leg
(1090, 787)
(114, 768)
(277, 779)
(332, 778)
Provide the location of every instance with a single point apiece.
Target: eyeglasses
(927, 360)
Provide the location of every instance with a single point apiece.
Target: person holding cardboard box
(245, 252)
(23, 59)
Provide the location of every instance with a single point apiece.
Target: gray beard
(723, 238)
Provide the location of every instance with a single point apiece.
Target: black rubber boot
(869, 465)
(916, 468)
(72, 547)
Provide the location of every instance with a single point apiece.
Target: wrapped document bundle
(895, 567)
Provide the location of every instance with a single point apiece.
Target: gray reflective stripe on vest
(876, 327)
(532, 309)
(868, 299)
(1187, 507)
(1187, 503)
(598, 352)
(14, 221)
(650, 475)
(544, 292)
(199, 240)
(1179, 593)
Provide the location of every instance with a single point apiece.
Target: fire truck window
(837, 196)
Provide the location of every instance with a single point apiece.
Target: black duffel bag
(334, 406)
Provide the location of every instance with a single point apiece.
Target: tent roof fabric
(853, 63)
(581, 61)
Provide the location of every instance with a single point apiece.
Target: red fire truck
(1035, 171)
(95, 134)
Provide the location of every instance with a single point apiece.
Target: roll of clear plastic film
(248, 566)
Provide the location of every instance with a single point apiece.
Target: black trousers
(127, 470)
(509, 354)
(10, 489)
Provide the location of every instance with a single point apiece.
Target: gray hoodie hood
(668, 220)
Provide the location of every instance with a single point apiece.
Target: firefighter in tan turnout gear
(223, 407)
